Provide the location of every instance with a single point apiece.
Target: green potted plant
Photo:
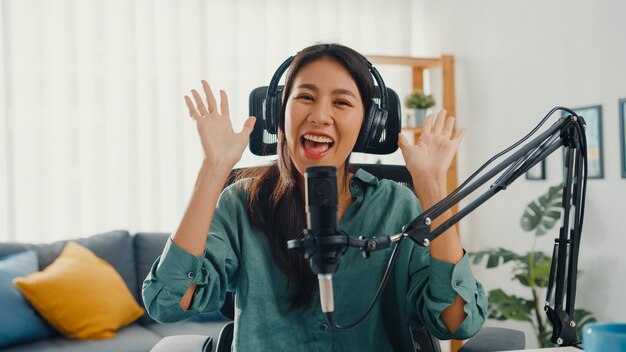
(419, 102)
(531, 270)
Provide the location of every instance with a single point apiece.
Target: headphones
(378, 134)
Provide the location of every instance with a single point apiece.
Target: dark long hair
(275, 204)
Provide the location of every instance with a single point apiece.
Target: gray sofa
(132, 256)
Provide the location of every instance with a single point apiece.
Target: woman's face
(323, 115)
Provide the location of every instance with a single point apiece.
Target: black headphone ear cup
(378, 126)
(270, 125)
(372, 129)
(272, 112)
(278, 106)
(363, 139)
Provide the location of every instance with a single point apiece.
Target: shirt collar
(365, 177)
(359, 183)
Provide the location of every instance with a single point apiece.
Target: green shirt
(237, 258)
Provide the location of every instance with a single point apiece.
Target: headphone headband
(272, 88)
(273, 91)
(381, 84)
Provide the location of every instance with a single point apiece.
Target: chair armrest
(184, 343)
(225, 341)
(424, 341)
(491, 339)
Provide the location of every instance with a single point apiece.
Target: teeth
(318, 139)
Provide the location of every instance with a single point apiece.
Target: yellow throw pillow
(81, 295)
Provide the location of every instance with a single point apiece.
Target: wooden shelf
(446, 64)
(422, 63)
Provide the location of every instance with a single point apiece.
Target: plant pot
(419, 115)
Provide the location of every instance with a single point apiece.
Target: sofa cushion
(116, 247)
(81, 295)
(133, 338)
(19, 322)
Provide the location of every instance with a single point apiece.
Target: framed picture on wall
(622, 134)
(537, 172)
(593, 119)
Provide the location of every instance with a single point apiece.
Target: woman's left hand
(429, 159)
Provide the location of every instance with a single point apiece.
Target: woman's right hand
(221, 145)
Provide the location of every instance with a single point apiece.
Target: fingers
(248, 126)
(427, 126)
(199, 109)
(443, 125)
(210, 98)
(448, 127)
(402, 141)
(199, 103)
(193, 113)
(404, 144)
(224, 103)
(439, 122)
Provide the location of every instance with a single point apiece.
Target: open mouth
(316, 146)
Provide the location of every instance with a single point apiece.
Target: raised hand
(429, 159)
(221, 145)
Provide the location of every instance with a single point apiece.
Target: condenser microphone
(321, 215)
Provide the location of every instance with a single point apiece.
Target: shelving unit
(419, 65)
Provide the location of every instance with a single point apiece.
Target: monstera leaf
(542, 213)
(540, 269)
(495, 256)
(503, 306)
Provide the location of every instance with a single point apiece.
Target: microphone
(321, 215)
(322, 243)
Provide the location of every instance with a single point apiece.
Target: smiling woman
(236, 240)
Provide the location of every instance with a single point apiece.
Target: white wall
(94, 133)
(514, 61)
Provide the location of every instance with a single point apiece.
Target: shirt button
(457, 283)
(191, 275)
(324, 327)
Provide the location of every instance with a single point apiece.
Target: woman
(236, 240)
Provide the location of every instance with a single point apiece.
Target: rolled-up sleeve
(214, 272)
(434, 286)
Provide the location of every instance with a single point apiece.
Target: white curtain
(94, 133)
